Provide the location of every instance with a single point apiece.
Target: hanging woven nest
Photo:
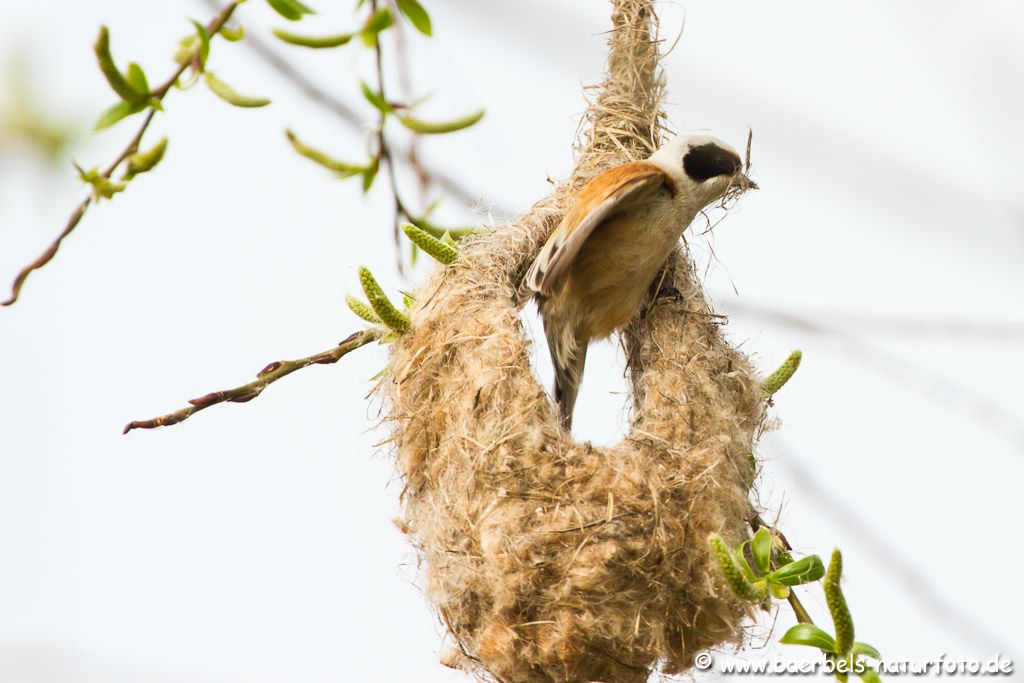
(548, 559)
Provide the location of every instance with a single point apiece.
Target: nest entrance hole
(604, 406)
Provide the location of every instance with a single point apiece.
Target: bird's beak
(744, 183)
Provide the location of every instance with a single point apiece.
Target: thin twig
(899, 568)
(133, 146)
(385, 155)
(952, 327)
(402, 68)
(384, 152)
(977, 405)
(264, 378)
(897, 325)
(587, 525)
(353, 120)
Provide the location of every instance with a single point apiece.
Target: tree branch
(264, 378)
(133, 146)
(912, 580)
(354, 121)
(384, 152)
(802, 615)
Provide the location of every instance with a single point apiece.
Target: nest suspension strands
(551, 560)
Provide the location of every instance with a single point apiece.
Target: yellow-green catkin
(837, 604)
(362, 309)
(740, 585)
(440, 251)
(382, 306)
(778, 379)
(232, 34)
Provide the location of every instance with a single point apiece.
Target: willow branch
(264, 378)
(386, 156)
(802, 615)
(212, 28)
(348, 115)
(977, 406)
(412, 155)
(384, 152)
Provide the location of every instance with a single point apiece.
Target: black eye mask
(709, 160)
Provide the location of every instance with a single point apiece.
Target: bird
(592, 275)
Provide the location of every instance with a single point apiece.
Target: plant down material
(551, 560)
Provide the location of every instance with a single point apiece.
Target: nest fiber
(548, 559)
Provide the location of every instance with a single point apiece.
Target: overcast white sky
(254, 543)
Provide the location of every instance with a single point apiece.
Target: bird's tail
(568, 373)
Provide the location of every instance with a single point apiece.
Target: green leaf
(137, 78)
(419, 100)
(378, 21)
(370, 174)
(102, 186)
(416, 15)
(865, 650)
(343, 168)
(440, 127)
(186, 48)
(761, 548)
(315, 42)
(804, 570)
(375, 23)
(782, 555)
(775, 381)
(810, 635)
(117, 81)
(230, 95)
(869, 675)
(292, 10)
(204, 43)
(740, 553)
(142, 162)
(375, 99)
(232, 34)
(115, 113)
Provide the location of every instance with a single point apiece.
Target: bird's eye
(709, 160)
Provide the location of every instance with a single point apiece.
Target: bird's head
(705, 167)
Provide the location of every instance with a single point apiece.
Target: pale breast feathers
(594, 202)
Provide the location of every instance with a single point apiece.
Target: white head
(704, 167)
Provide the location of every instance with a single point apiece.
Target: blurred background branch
(890, 187)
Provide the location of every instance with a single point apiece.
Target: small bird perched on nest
(593, 273)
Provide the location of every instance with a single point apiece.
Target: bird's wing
(595, 202)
